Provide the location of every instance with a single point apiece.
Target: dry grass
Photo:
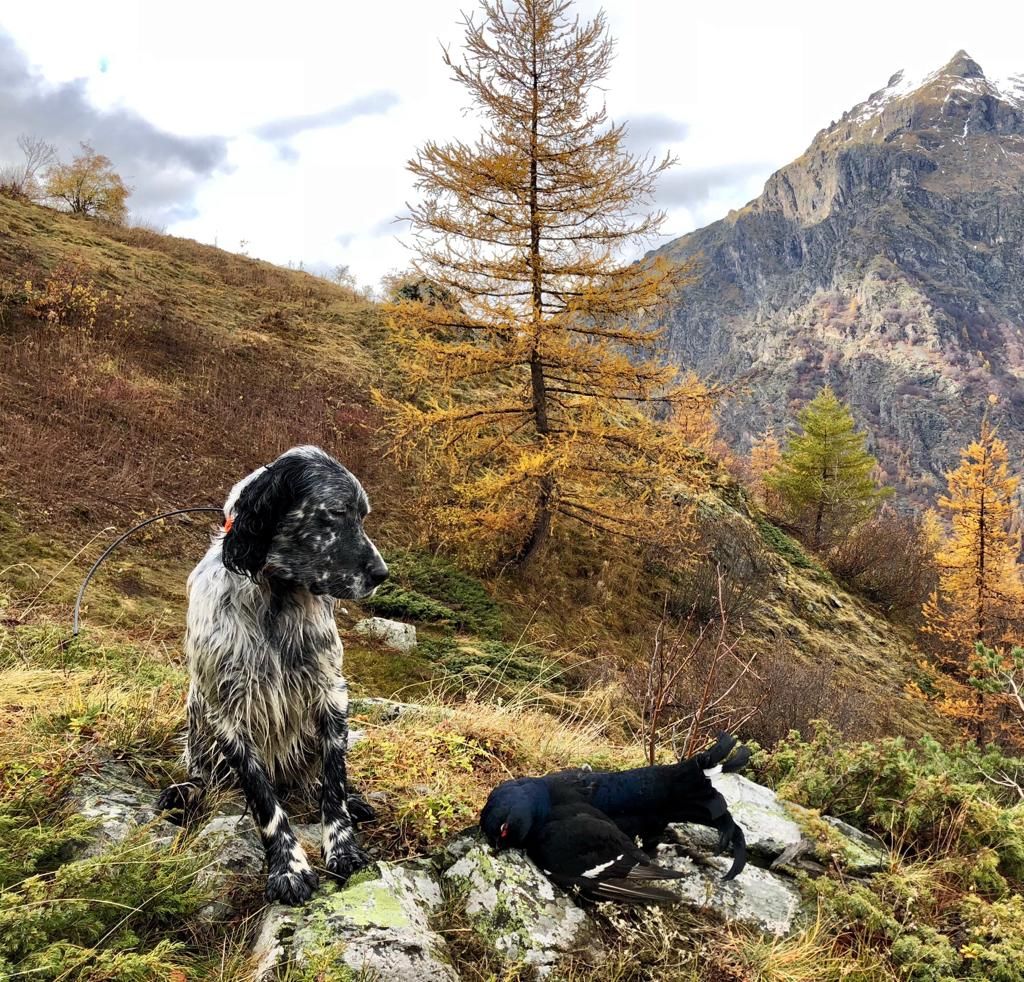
(813, 955)
(436, 767)
(159, 408)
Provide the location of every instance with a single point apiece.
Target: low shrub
(889, 560)
(433, 589)
(70, 298)
(394, 600)
(949, 906)
(123, 914)
(920, 796)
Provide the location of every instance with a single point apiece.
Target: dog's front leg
(290, 878)
(342, 853)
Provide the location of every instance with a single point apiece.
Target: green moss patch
(432, 589)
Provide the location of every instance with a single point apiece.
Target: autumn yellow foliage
(531, 388)
(980, 595)
(88, 186)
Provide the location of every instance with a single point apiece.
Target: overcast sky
(284, 128)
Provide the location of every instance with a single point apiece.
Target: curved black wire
(113, 545)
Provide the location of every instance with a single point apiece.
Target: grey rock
(378, 925)
(237, 859)
(863, 853)
(793, 855)
(355, 737)
(756, 898)
(696, 838)
(390, 710)
(772, 828)
(391, 634)
(119, 802)
(515, 908)
(766, 821)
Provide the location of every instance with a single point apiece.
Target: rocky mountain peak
(962, 65)
(951, 130)
(958, 92)
(886, 260)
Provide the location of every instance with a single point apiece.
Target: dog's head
(300, 520)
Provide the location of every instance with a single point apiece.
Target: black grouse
(640, 802)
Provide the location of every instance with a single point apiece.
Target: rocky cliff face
(888, 260)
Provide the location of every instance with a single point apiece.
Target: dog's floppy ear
(260, 506)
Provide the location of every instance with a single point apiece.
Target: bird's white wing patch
(597, 870)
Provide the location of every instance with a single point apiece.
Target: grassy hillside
(197, 364)
(140, 373)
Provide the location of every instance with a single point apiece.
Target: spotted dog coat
(267, 706)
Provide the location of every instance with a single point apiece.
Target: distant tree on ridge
(88, 186)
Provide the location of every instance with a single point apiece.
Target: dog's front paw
(291, 887)
(344, 860)
(182, 801)
(359, 809)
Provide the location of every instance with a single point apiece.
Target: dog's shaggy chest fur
(267, 705)
(270, 678)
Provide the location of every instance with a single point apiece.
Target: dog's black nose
(377, 573)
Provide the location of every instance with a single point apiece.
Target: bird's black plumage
(641, 802)
(583, 850)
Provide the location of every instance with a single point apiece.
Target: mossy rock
(514, 907)
(377, 925)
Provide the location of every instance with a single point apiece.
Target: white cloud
(735, 90)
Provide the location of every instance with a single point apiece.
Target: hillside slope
(141, 372)
(887, 260)
(220, 363)
(138, 369)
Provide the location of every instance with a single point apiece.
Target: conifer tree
(824, 476)
(763, 458)
(979, 597)
(533, 395)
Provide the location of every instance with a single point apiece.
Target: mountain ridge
(886, 260)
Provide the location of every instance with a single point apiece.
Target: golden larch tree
(979, 597)
(532, 390)
(764, 456)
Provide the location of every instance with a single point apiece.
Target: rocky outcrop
(236, 860)
(378, 924)
(514, 907)
(888, 261)
(757, 898)
(117, 803)
(390, 920)
(779, 833)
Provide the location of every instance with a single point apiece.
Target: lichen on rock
(756, 898)
(377, 923)
(515, 908)
(118, 803)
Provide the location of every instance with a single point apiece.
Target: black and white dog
(267, 707)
